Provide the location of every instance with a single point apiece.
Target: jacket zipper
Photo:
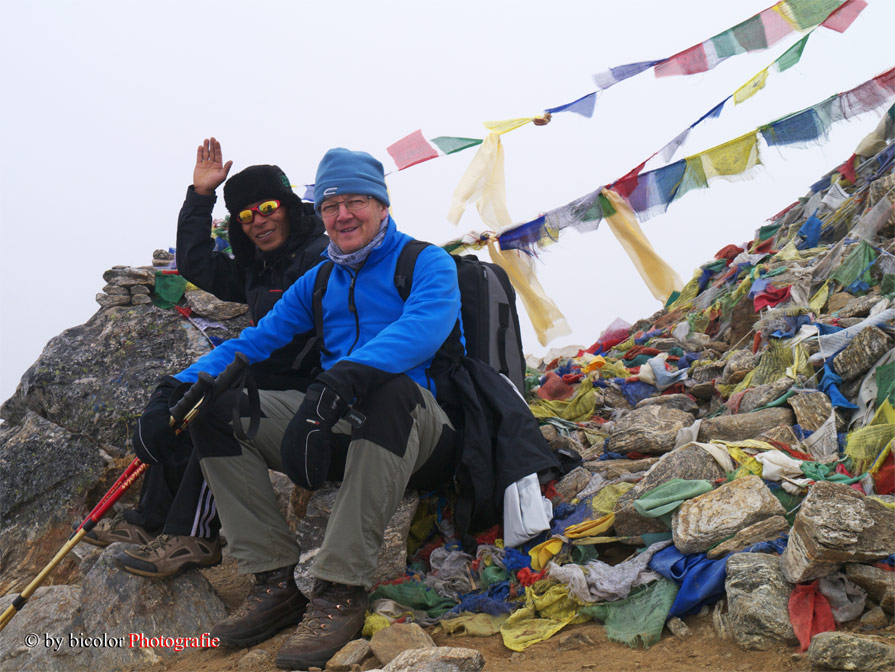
(353, 308)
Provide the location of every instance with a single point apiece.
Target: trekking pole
(185, 410)
(131, 474)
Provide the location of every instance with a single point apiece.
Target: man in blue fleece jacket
(376, 358)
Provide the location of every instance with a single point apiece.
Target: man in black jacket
(275, 239)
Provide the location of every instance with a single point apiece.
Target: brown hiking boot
(334, 617)
(168, 554)
(273, 604)
(117, 529)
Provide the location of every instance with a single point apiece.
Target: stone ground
(564, 652)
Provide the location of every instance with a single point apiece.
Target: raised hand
(210, 171)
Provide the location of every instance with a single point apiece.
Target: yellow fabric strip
(484, 183)
(501, 127)
(545, 316)
(660, 278)
(590, 528)
(751, 87)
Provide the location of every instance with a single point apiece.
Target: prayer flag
(731, 158)
(411, 150)
(792, 55)
(450, 145)
(775, 26)
(501, 127)
(688, 62)
(583, 106)
(604, 80)
(751, 87)
(843, 17)
(804, 14)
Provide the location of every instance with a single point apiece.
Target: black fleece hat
(256, 183)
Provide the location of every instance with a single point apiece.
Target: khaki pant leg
(371, 491)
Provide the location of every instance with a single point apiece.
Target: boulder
(764, 530)
(812, 409)
(679, 401)
(781, 433)
(439, 659)
(613, 469)
(838, 301)
(703, 521)
(859, 306)
(573, 483)
(879, 583)
(869, 345)
(389, 642)
(212, 308)
(687, 462)
(392, 560)
(744, 425)
(112, 300)
(848, 651)
(353, 653)
(763, 394)
(125, 276)
(651, 430)
(118, 290)
(758, 602)
(738, 365)
(836, 524)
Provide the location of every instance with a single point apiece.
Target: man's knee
(212, 430)
(389, 412)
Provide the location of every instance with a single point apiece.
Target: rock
(650, 430)
(721, 622)
(744, 425)
(392, 560)
(572, 483)
(838, 301)
(707, 372)
(387, 643)
(742, 321)
(125, 276)
(678, 628)
(859, 306)
(575, 640)
(439, 659)
(858, 356)
(847, 651)
(115, 604)
(353, 653)
(282, 489)
(664, 344)
(812, 409)
(117, 290)
(259, 659)
(45, 475)
(764, 530)
(704, 391)
(689, 462)
(834, 525)
(763, 394)
(49, 616)
(162, 258)
(758, 601)
(679, 401)
(738, 365)
(549, 432)
(563, 444)
(879, 584)
(140, 300)
(212, 308)
(875, 618)
(109, 300)
(612, 469)
(703, 521)
(781, 433)
(139, 290)
(614, 398)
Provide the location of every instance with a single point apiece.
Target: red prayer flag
(626, 184)
(688, 62)
(411, 150)
(810, 613)
(844, 16)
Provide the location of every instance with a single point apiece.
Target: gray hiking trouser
(375, 477)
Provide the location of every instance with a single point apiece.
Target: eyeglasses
(353, 204)
(266, 208)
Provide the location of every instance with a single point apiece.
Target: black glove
(153, 436)
(307, 443)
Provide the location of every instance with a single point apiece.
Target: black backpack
(488, 309)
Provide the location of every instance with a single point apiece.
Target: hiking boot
(118, 529)
(273, 604)
(334, 617)
(168, 554)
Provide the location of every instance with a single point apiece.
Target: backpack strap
(316, 341)
(405, 265)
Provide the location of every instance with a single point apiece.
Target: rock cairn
(132, 285)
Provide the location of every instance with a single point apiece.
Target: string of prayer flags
(755, 33)
(411, 150)
(501, 127)
(450, 145)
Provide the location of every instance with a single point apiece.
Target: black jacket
(252, 277)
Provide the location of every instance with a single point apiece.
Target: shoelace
(156, 543)
(320, 610)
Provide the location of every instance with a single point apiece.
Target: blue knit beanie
(342, 171)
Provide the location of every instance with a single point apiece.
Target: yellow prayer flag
(732, 158)
(484, 183)
(501, 127)
(542, 553)
(751, 87)
(660, 278)
(590, 528)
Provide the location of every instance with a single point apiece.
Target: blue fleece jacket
(365, 322)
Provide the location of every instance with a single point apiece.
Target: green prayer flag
(808, 13)
(856, 265)
(450, 145)
(885, 383)
(750, 34)
(169, 289)
(606, 206)
(792, 55)
(769, 230)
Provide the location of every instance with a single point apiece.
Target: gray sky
(107, 101)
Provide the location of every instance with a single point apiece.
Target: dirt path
(581, 648)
